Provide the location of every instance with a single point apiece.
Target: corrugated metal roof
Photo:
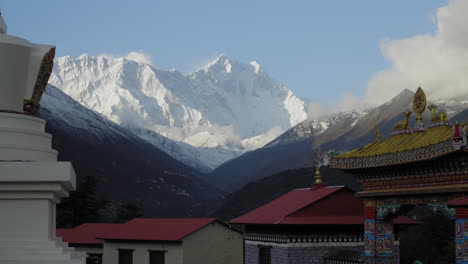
(316, 206)
(275, 211)
(458, 202)
(86, 233)
(162, 229)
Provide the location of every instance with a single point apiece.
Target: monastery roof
(162, 229)
(86, 233)
(399, 149)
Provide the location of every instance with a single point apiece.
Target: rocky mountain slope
(128, 169)
(222, 110)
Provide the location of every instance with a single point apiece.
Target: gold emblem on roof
(419, 104)
(437, 116)
(403, 124)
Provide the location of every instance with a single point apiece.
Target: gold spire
(318, 177)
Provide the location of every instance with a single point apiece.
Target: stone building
(307, 225)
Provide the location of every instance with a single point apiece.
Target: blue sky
(320, 49)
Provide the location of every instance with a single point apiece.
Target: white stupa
(31, 180)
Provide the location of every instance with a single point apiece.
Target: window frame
(264, 259)
(157, 251)
(121, 261)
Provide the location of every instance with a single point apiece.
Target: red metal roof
(163, 229)
(458, 202)
(333, 205)
(275, 211)
(324, 220)
(86, 233)
(340, 220)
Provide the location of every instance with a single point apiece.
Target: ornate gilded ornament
(31, 105)
(437, 116)
(419, 104)
(403, 124)
(377, 132)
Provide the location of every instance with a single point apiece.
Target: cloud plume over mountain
(437, 62)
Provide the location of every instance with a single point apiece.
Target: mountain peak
(256, 66)
(222, 62)
(404, 95)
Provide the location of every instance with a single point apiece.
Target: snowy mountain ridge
(221, 111)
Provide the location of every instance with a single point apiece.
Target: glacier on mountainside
(215, 113)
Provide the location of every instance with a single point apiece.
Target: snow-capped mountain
(216, 113)
(313, 128)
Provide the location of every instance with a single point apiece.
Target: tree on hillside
(127, 212)
(82, 206)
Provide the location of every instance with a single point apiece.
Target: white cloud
(316, 111)
(349, 102)
(139, 56)
(437, 62)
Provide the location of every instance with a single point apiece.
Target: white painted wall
(174, 254)
(214, 244)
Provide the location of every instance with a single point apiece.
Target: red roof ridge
(283, 206)
(458, 201)
(86, 233)
(159, 229)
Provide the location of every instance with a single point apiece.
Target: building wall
(296, 253)
(89, 250)
(174, 251)
(279, 255)
(214, 244)
(251, 254)
(314, 255)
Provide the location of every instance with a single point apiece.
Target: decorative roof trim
(397, 158)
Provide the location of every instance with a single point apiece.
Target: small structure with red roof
(84, 239)
(307, 225)
(158, 241)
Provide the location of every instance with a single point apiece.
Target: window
(156, 257)
(94, 258)
(264, 255)
(126, 256)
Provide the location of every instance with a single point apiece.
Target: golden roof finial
(319, 163)
(318, 177)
